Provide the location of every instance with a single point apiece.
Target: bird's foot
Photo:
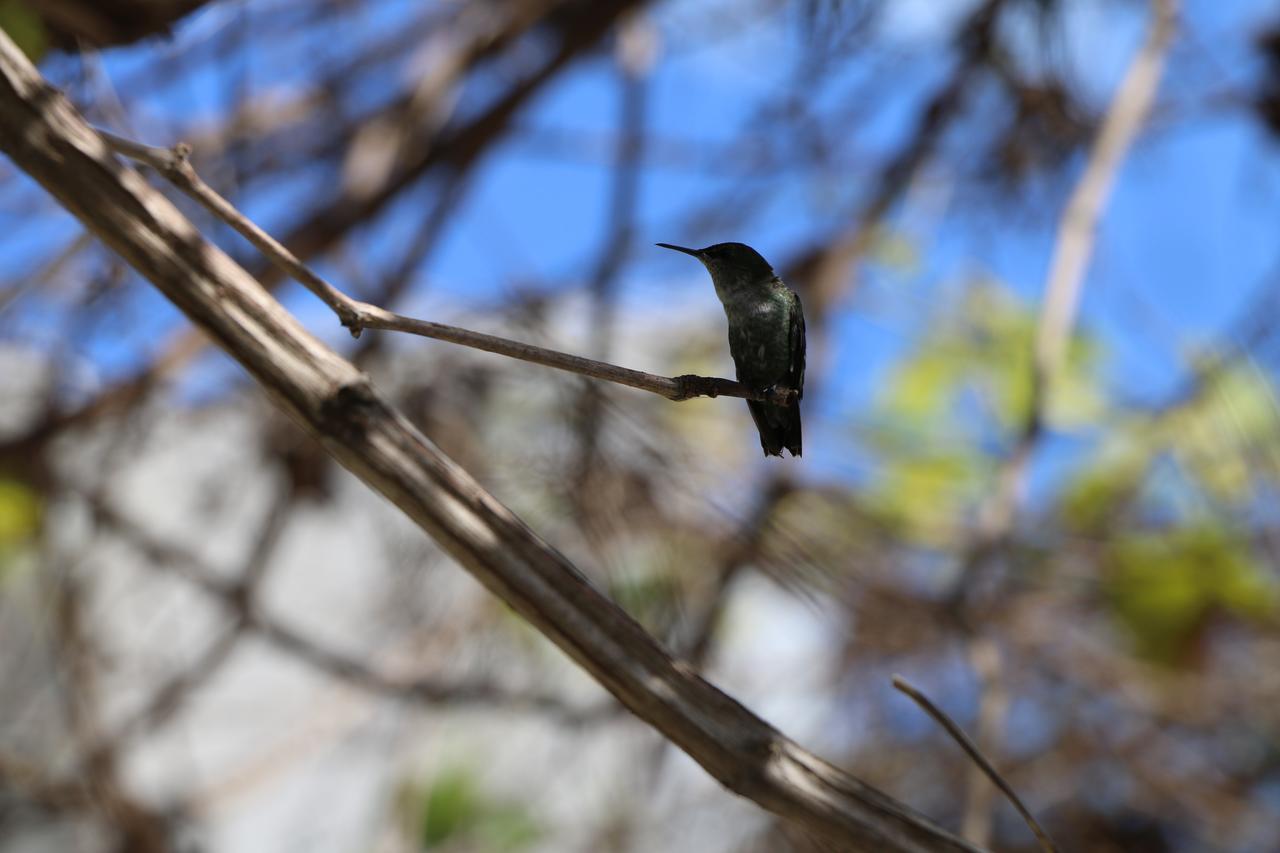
(778, 394)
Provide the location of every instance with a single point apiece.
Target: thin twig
(971, 748)
(175, 166)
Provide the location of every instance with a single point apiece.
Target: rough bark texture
(47, 138)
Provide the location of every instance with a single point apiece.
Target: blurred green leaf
(508, 827)
(922, 386)
(24, 26)
(1228, 438)
(20, 511)
(1220, 448)
(456, 810)
(451, 807)
(982, 344)
(963, 392)
(923, 497)
(1101, 488)
(1164, 586)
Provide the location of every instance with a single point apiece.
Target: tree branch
(47, 138)
(971, 749)
(1073, 247)
(238, 599)
(175, 166)
(1077, 229)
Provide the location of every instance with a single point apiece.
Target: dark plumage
(766, 336)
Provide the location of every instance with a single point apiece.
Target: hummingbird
(766, 336)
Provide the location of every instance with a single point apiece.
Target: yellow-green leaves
(25, 28)
(1165, 586)
(455, 812)
(952, 406)
(20, 510)
(1228, 437)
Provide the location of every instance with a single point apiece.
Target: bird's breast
(758, 340)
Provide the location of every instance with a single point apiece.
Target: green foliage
(923, 494)
(1165, 586)
(452, 805)
(983, 346)
(455, 812)
(25, 28)
(967, 385)
(1100, 491)
(20, 512)
(1228, 438)
(1220, 446)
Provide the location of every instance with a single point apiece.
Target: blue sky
(1187, 237)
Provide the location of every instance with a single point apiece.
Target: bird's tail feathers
(779, 427)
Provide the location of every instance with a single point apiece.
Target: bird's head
(729, 260)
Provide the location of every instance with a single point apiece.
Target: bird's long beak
(693, 252)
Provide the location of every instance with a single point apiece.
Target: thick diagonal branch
(48, 139)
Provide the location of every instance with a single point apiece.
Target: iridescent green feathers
(766, 336)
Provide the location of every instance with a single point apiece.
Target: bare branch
(455, 149)
(49, 140)
(998, 511)
(1078, 227)
(1076, 231)
(985, 661)
(169, 697)
(174, 164)
(971, 749)
(236, 596)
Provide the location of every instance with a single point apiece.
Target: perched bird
(766, 336)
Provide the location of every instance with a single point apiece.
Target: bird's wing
(795, 374)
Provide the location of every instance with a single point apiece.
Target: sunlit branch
(174, 164)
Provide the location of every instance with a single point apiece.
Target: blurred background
(211, 638)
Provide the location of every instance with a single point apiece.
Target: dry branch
(1073, 247)
(50, 141)
(175, 166)
(1078, 227)
(971, 749)
(241, 604)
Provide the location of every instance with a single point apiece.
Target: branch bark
(47, 138)
(971, 749)
(1073, 247)
(1079, 224)
(175, 166)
